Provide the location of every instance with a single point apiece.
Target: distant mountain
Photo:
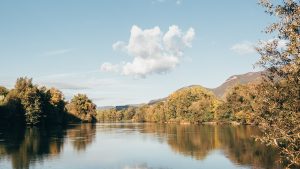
(218, 91)
(105, 107)
(234, 80)
(156, 101)
(120, 107)
(190, 87)
(221, 90)
(165, 98)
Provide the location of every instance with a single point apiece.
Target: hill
(234, 80)
(218, 91)
(229, 83)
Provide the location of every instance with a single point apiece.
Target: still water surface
(134, 146)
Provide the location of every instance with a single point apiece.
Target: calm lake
(134, 146)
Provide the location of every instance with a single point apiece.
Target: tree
(83, 108)
(32, 104)
(188, 103)
(58, 105)
(139, 115)
(31, 101)
(279, 99)
(202, 110)
(239, 104)
(3, 91)
(53, 105)
(22, 84)
(27, 100)
(129, 113)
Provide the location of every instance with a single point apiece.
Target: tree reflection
(82, 135)
(236, 142)
(24, 146)
(243, 149)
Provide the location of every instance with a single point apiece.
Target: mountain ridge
(234, 80)
(219, 91)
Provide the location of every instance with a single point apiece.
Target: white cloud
(152, 50)
(108, 67)
(246, 47)
(57, 52)
(103, 91)
(189, 37)
(119, 45)
(73, 81)
(243, 48)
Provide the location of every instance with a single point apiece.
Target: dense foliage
(279, 99)
(83, 108)
(193, 104)
(239, 104)
(188, 105)
(30, 104)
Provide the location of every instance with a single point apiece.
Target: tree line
(192, 105)
(31, 104)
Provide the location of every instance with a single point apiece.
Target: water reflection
(82, 135)
(22, 148)
(25, 146)
(236, 142)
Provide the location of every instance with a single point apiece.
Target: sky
(128, 51)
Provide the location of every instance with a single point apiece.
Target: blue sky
(64, 44)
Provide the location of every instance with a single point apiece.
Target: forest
(29, 104)
(273, 103)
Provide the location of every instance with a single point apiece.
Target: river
(135, 146)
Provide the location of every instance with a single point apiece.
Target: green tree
(188, 103)
(31, 101)
(83, 108)
(22, 84)
(202, 110)
(53, 105)
(239, 104)
(27, 99)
